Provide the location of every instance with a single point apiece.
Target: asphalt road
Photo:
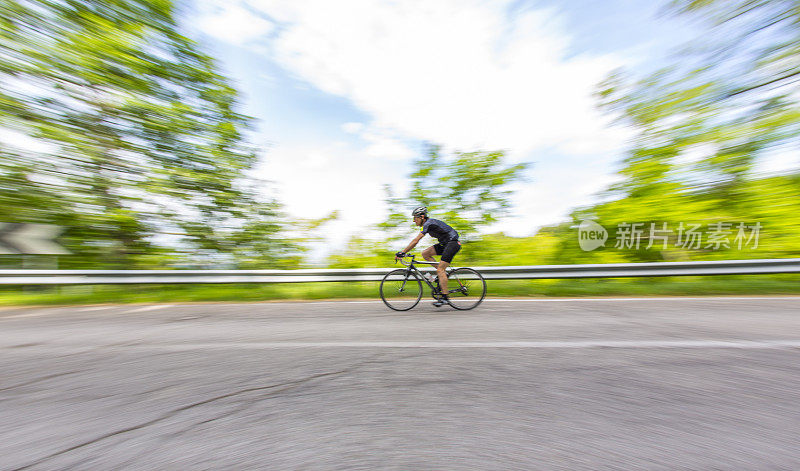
(600, 384)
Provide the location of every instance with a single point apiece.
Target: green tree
(469, 191)
(142, 132)
(730, 98)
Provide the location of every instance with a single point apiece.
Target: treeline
(690, 180)
(134, 143)
(142, 155)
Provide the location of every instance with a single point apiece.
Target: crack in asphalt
(285, 386)
(43, 378)
(248, 404)
(93, 349)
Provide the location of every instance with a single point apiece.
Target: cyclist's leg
(449, 251)
(440, 270)
(428, 253)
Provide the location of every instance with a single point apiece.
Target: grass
(666, 286)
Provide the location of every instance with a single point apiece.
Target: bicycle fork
(405, 280)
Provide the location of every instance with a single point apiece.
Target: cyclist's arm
(414, 242)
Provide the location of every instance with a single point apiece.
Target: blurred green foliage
(138, 139)
(730, 98)
(468, 190)
(701, 126)
(143, 142)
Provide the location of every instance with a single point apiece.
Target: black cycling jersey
(439, 230)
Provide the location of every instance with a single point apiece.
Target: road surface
(549, 384)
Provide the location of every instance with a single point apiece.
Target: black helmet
(420, 211)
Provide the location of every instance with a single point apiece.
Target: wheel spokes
(467, 289)
(400, 290)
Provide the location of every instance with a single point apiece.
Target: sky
(348, 93)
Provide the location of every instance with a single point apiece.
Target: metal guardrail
(614, 270)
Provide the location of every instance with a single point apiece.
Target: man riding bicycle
(447, 247)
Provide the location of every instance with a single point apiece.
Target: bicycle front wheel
(401, 290)
(466, 288)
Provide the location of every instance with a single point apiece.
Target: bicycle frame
(412, 268)
(468, 283)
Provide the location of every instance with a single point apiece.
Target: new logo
(591, 235)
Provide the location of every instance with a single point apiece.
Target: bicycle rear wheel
(401, 290)
(466, 288)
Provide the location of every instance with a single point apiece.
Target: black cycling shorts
(447, 251)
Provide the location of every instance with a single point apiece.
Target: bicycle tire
(397, 281)
(466, 287)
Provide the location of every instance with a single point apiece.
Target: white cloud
(462, 73)
(352, 128)
(314, 179)
(317, 178)
(556, 189)
(459, 73)
(234, 23)
(383, 145)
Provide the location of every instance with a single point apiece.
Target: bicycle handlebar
(404, 256)
(424, 262)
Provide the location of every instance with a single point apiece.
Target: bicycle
(401, 289)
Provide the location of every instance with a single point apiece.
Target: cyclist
(447, 247)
